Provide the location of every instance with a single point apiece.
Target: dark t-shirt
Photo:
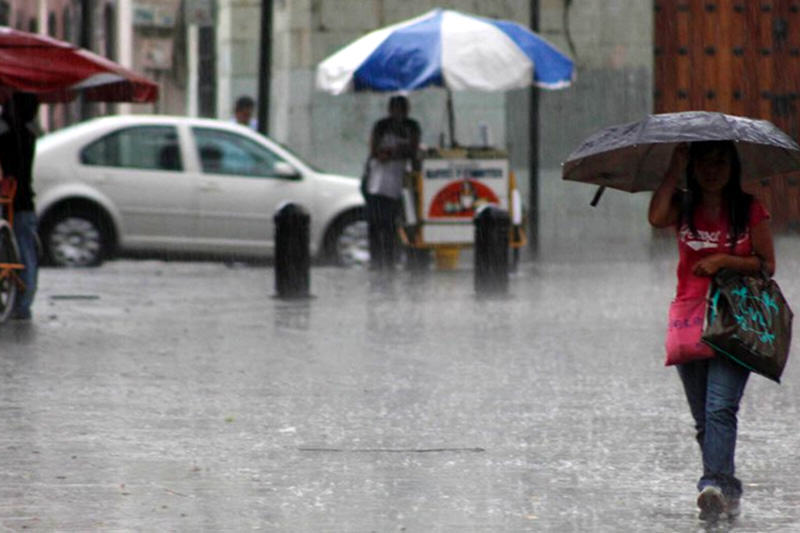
(407, 128)
(17, 147)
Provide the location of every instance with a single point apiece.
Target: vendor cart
(435, 50)
(441, 198)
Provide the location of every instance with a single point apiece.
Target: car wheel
(8, 285)
(75, 238)
(347, 244)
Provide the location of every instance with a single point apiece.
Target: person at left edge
(17, 147)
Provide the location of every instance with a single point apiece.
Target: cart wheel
(8, 286)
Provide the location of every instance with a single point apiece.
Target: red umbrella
(56, 71)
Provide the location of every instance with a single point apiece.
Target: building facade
(65, 20)
(206, 53)
(134, 33)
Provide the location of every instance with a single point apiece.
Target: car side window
(142, 147)
(223, 152)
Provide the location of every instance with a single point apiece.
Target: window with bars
(5, 14)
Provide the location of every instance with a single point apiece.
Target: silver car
(174, 184)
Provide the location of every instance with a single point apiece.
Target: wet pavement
(180, 396)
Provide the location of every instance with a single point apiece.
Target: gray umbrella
(634, 157)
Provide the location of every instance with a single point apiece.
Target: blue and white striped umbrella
(445, 48)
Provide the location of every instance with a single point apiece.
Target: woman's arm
(761, 235)
(664, 209)
(763, 250)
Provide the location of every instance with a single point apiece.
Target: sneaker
(711, 502)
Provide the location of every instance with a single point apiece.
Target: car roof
(118, 120)
(102, 124)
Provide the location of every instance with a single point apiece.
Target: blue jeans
(714, 388)
(25, 233)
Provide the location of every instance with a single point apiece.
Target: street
(183, 396)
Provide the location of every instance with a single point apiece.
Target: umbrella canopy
(635, 156)
(57, 71)
(445, 48)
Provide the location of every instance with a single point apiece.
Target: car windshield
(296, 156)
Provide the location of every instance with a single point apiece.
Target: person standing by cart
(17, 148)
(394, 146)
(718, 226)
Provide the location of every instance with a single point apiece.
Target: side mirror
(284, 170)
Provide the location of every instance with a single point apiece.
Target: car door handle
(210, 187)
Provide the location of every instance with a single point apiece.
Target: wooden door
(735, 56)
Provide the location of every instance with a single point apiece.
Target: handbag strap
(762, 268)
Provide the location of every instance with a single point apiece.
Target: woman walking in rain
(718, 226)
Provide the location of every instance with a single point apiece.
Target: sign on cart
(453, 189)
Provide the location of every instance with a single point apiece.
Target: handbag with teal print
(749, 321)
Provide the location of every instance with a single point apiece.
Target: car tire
(76, 237)
(346, 242)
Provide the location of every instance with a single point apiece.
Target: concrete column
(42, 16)
(124, 41)
(44, 110)
(192, 59)
(224, 60)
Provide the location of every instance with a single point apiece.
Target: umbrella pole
(451, 120)
(600, 190)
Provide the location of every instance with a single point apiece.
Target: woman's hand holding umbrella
(677, 165)
(663, 211)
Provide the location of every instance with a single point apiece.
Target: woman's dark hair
(737, 201)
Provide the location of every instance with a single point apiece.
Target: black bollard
(492, 225)
(292, 255)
